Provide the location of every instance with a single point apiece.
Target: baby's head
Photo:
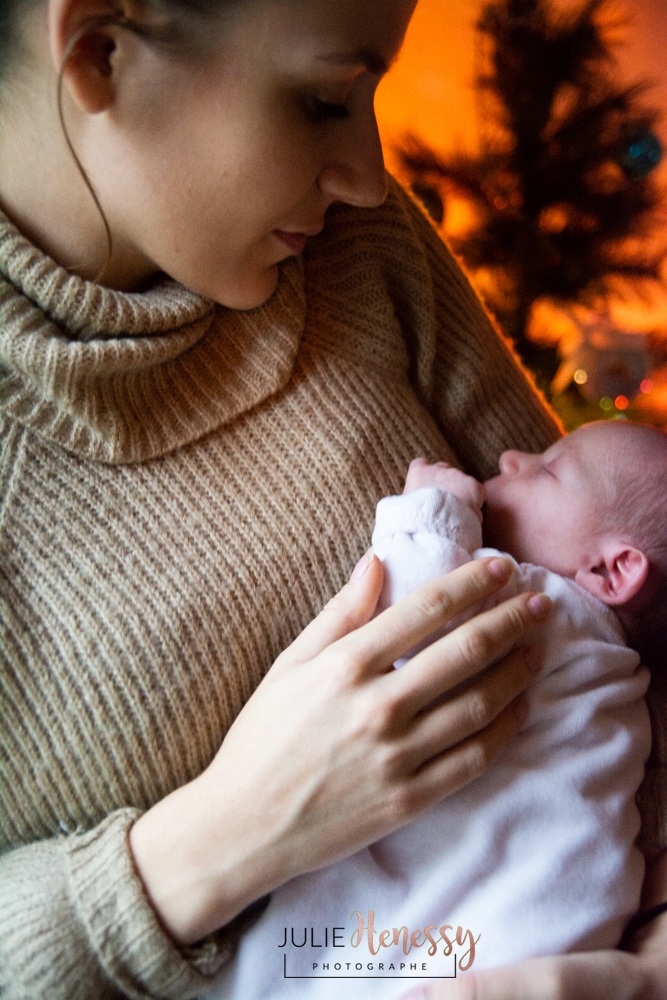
(593, 508)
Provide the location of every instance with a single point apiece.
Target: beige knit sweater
(182, 487)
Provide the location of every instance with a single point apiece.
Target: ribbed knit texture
(182, 487)
(122, 396)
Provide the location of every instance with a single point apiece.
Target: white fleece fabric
(535, 857)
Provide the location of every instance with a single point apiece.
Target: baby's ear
(618, 576)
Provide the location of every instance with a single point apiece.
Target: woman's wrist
(198, 871)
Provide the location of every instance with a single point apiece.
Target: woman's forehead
(367, 33)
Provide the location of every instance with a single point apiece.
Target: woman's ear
(81, 38)
(618, 576)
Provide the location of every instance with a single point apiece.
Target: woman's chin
(253, 293)
(248, 291)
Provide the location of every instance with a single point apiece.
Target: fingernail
(533, 659)
(520, 709)
(500, 568)
(362, 566)
(539, 606)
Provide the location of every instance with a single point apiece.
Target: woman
(189, 472)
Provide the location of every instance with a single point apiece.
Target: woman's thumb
(348, 610)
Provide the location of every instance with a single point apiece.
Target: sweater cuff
(429, 511)
(122, 927)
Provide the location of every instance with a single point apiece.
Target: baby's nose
(509, 462)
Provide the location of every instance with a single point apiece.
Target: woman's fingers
(350, 608)
(396, 630)
(602, 975)
(463, 653)
(423, 612)
(461, 764)
(472, 709)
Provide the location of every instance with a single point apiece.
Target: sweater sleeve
(75, 924)
(464, 371)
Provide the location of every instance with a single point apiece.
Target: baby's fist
(445, 477)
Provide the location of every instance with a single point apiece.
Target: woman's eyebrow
(368, 58)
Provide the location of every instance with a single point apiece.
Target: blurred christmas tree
(562, 196)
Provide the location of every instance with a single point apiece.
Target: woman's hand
(595, 975)
(336, 749)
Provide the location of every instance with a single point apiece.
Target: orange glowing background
(430, 89)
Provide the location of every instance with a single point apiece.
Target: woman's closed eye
(323, 111)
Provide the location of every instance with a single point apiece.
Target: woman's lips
(295, 242)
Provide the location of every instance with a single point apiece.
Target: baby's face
(545, 509)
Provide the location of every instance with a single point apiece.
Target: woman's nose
(354, 172)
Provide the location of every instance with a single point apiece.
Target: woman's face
(217, 166)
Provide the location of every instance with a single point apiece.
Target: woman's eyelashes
(324, 111)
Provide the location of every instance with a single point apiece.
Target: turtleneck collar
(118, 377)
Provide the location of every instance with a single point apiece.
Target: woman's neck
(42, 191)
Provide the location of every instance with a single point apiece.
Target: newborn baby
(536, 856)
(591, 508)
